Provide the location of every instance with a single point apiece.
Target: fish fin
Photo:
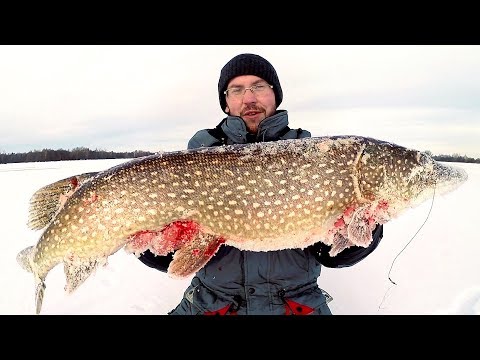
(24, 258)
(355, 226)
(340, 243)
(39, 292)
(48, 200)
(76, 272)
(361, 226)
(194, 255)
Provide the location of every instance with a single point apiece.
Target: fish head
(403, 177)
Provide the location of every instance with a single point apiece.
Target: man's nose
(249, 96)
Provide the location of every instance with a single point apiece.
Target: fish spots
(91, 198)
(268, 182)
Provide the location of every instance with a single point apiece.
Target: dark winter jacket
(248, 282)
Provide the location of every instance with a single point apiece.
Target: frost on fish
(259, 197)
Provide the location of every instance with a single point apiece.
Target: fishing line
(393, 262)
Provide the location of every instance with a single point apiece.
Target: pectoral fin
(361, 226)
(354, 228)
(340, 243)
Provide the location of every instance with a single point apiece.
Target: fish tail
(48, 200)
(39, 292)
(24, 259)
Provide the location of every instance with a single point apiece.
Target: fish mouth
(448, 177)
(450, 174)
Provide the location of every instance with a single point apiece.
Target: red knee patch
(222, 311)
(295, 308)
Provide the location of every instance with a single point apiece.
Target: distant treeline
(83, 153)
(454, 158)
(79, 153)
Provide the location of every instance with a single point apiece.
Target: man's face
(251, 106)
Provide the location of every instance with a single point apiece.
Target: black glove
(158, 262)
(349, 256)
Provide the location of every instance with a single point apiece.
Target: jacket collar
(268, 130)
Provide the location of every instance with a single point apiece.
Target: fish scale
(259, 197)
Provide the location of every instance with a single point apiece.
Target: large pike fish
(259, 197)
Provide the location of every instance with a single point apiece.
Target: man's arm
(349, 256)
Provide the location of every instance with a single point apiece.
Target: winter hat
(248, 64)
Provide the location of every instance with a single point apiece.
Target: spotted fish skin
(259, 197)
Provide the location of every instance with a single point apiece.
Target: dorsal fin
(46, 201)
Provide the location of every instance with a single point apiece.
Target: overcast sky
(125, 98)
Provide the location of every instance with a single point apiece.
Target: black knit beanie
(248, 64)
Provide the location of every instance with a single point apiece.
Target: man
(248, 282)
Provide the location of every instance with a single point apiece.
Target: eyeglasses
(238, 92)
